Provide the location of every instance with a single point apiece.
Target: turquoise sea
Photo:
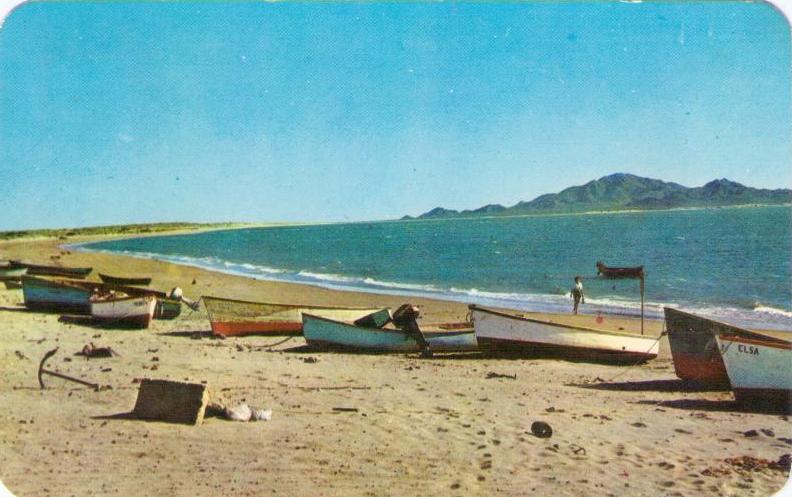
(731, 264)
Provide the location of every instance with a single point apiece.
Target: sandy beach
(436, 426)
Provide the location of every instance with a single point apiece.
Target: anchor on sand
(42, 371)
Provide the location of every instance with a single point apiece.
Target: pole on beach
(642, 302)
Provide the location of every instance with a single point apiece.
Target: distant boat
(117, 280)
(759, 369)
(505, 332)
(238, 318)
(41, 270)
(615, 273)
(329, 333)
(123, 310)
(694, 348)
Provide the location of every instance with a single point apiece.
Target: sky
(116, 113)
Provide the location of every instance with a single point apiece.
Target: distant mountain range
(620, 191)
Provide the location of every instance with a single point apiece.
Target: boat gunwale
(736, 331)
(122, 299)
(473, 307)
(775, 343)
(84, 284)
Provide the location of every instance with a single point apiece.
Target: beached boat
(9, 271)
(499, 331)
(694, 348)
(45, 294)
(118, 280)
(12, 276)
(614, 273)
(329, 333)
(237, 318)
(123, 310)
(69, 295)
(759, 369)
(42, 270)
(167, 308)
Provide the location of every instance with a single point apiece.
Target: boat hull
(327, 333)
(239, 318)
(42, 270)
(500, 332)
(694, 348)
(47, 295)
(116, 280)
(63, 295)
(127, 311)
(760, 371)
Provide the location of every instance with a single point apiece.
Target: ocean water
(731, 264)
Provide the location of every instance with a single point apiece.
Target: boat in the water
(615, 273)
(238, 318)
(70, 295)
(119, 309)
(119, 280)
(42, 270)
(499, 331)
(759, 369)
(321, 332)
(694, 348)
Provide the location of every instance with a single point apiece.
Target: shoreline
(416, 426)
(247, 287)
(772, 318)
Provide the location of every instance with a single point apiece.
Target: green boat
(167, 308)
(326, 333)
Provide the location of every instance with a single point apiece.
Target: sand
(434, 426)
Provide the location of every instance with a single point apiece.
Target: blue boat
(56, 295)
(66, 295)
(326, 333)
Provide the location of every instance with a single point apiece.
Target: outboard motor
(406, 318)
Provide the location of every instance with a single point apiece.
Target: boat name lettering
(747, 349)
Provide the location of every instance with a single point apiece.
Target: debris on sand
(172, 401)
(244, 412)
(491, 375)
(541, 429)
(750, 463)
(91, 351)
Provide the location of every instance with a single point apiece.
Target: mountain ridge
(622, 191)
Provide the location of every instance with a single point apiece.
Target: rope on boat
(277, 343)
(640, 361)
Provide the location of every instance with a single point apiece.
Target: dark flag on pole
(619, 273)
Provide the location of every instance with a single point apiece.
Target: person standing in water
(577, 294)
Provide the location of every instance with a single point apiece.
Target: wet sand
(422, 427)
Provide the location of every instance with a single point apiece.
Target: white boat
(760, 370)
(505, 332)
(123, 310)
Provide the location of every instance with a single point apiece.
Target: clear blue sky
(136, 112)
